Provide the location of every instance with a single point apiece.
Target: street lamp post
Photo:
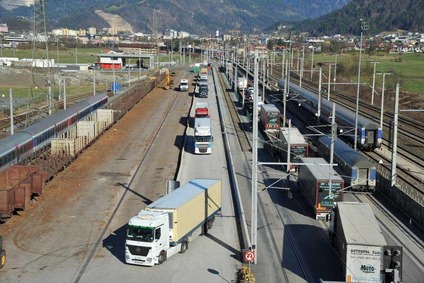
(364, 26)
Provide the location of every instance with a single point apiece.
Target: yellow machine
(169, 82)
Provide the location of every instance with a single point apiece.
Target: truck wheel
(184, 247)
(2, 259)
(162, 257)
(210, 223)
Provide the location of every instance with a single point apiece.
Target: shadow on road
(115, 242)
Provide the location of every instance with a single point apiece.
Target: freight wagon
(299, 147)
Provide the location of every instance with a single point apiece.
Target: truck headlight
(149, 259)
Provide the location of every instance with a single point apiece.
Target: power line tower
(155, 31)
(41, 66)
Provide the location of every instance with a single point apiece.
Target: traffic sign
(249, 256)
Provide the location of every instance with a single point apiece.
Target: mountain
(382, 15)
(194, 16)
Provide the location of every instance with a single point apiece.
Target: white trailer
(166, 226)
(357, 237)
(202, 136)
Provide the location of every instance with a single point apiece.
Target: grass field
(407, 68)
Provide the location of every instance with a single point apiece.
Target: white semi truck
(184, 85)
(202, 136)
(166, 226)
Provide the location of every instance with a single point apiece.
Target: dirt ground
(65, 185)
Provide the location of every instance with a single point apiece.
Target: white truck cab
(184, 85)
(147, 240)
(166, 226)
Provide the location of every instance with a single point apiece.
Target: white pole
(282, 64)
(12, 126)
(64, 93)
(302, 63)
(255, 158)
(329, 82)
(382, 104)
(333, 137)
(319, 93)
(50, 99)
(288, 147)
(373, 83)
(312, 62)
(395, 130)
(335, 72)
(94, 82)
(357, 93)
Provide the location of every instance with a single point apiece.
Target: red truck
(201, 110)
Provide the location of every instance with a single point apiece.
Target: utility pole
(254, 226)
(335, 71)
(319, 94)
(64, 94)
(12, 126)
(383, 89)
(364, 26)
(395, 130)
(302, 62)
(329, 82)
(333, 137)
(373, 82)
(94, 82)
(312, 62)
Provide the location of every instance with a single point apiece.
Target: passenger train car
(359, 173)
(369, 133)
(17, 147)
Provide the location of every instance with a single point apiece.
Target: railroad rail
(245, 144)
(410, 145)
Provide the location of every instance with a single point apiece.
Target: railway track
(410, 137)
(245, 144)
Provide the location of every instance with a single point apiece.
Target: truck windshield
(144, 234)
(203, 138)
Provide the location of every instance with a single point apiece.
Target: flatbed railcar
(17, 147)
(359, 173)
(299, 146)
(369, 133)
